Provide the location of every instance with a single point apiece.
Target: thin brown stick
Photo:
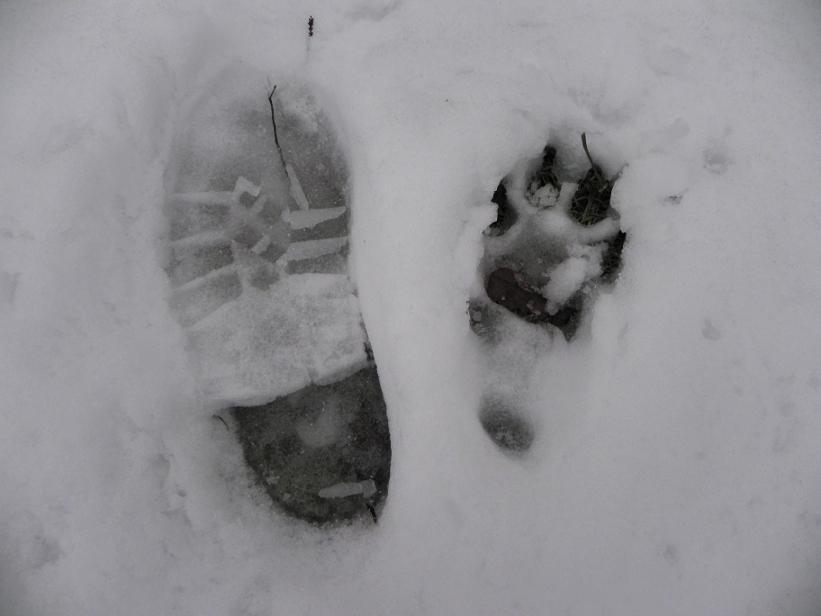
(273, 116)
(586, 151)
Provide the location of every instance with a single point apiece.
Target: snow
(675, 462)
(305, 328)
(568, 276)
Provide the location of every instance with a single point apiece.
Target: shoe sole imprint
(258, 268)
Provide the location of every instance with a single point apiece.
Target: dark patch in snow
(591, 201)
(506, 427)
(323, 453)
(505, 214)
(373, 10)
(506, 288)
(44, 551)
(710, 331)
(8, 287)
(671, 554)
(611, 261)
(484, 320)
(716, 159)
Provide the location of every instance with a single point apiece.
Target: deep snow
(676, 466)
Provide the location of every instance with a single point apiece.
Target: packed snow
(673, 464)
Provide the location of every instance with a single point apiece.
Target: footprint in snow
(554, 242)
(257, 204)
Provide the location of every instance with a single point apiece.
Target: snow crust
(675, 467)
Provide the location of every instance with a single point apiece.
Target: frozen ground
(675, 467)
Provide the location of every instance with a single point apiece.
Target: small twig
(274, 117)
(586, 151)
(274, 122)
(310, 26)
(372, 511)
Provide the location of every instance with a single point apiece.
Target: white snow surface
(676, 467)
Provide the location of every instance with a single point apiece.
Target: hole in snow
(505, 426)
